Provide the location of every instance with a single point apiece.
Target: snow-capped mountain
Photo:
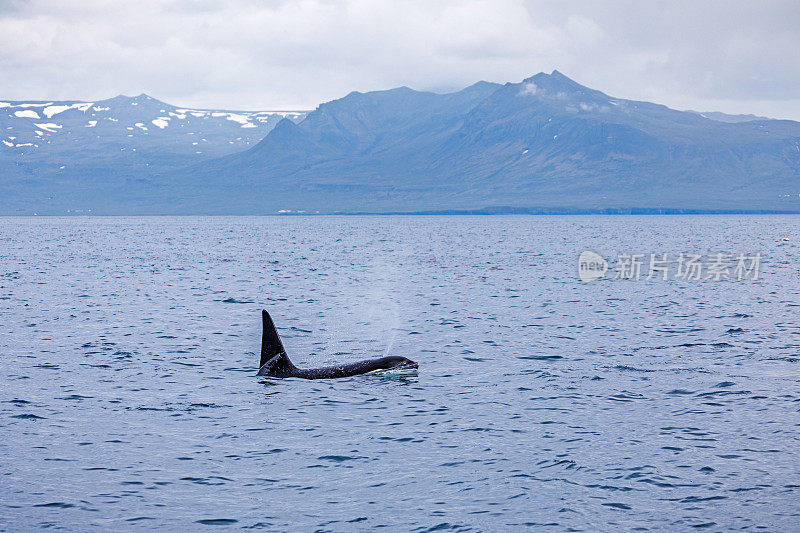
(74, 153)
(123, 136)
(28, 126)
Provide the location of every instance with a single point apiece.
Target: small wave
(59, 505)
(339, 458)
(617, 505)
(627, 368)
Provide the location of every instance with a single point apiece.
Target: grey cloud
(728, 56)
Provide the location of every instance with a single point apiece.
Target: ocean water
(129, 347)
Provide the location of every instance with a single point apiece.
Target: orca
(275, 363)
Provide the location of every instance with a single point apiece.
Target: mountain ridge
(544, 143)
(547, 142)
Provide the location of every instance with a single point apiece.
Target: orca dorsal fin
(271, 344)
(274, 361)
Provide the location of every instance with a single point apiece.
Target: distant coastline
(487, 211)
(577, 211)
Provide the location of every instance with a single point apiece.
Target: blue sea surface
(129, 347)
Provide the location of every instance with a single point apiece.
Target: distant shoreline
(598, 211)
(489, 211)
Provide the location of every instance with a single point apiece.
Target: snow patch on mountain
(241, 119)
(35, 134)
(51, 111)
(49, 127)
(28, 113)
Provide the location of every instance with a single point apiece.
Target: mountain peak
(553, 79)
(558, 84)
(141, 96)
(483, 85)
(138, 100)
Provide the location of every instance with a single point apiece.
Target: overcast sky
(732, 56)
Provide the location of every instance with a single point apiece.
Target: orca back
(275, 363)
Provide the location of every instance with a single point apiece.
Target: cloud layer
(737, 57)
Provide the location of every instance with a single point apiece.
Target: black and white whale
(275, 363)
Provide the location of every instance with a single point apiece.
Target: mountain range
(546, 144)
(61, 157)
